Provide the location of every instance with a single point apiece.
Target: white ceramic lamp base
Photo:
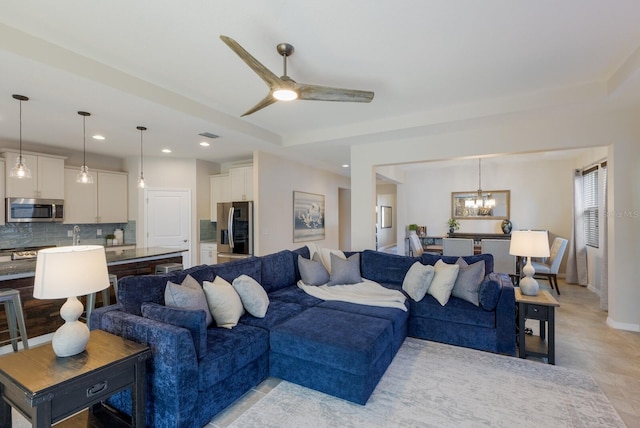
(528, 285)
(72, 337)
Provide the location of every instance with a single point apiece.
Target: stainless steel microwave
(24, 210)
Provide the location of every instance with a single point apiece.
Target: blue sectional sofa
(336, 347)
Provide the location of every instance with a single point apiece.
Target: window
(590, 206)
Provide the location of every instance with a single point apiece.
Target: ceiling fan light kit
(285, 88)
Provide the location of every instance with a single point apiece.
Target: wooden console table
(477, 237)
(47, 389)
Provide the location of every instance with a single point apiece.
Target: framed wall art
(308, 216)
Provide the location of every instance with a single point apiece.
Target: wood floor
(583, 342)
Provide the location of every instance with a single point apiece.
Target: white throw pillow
(188, 295)
(443, 281)
(224, 303)
(418, 280)
(253, 297)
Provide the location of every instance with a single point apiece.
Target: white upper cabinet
(47, 177)
(220, 192)
(104, 201)
(241, 183)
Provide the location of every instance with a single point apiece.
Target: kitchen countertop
(25, 268)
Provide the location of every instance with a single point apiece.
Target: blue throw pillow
(345, 271)
(312, 271)
(489, 292)
(192, 320)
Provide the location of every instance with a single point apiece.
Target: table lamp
(70, 272)
(529, 243)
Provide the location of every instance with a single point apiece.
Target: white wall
(276, 179)
(386, 196)
(543, 131)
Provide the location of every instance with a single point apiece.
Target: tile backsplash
(208, 230)
(19, 235)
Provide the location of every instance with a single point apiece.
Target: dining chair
(457, 247)
(416, 245)
(549, 270)
(502, 261)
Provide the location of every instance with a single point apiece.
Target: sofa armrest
(506, 317)
(172, 372)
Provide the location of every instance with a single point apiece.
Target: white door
(168, 224)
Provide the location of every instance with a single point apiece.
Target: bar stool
(106, 297)
(168, 267)
(13, 309)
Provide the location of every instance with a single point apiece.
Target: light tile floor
(583, 342)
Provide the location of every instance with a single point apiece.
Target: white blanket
(364, 293)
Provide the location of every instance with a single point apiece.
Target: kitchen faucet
(76, 235)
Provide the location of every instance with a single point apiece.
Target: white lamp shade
(70, 271)
(529, 243)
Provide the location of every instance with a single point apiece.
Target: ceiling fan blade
(324, 93)
(265, 74)
(266, 101)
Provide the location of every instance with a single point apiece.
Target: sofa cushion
(342, 340)
(251, 266)
(253, 297)
(133, 291)
(294, 294)
(397, 317)
(456, 311)
(443, 281)
(418, 280)
(192, 320)
(344, 271)
(385, 268)
(468, 281)
(224, 302)
(200, 273)
(277, 313)
(489, 292)
(431, 259)
(313, 271)
(278, 270)
(227, 352)
(188, 295)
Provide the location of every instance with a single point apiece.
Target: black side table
(542, 308)
(46, 389)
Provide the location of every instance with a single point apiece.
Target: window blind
(590, 206)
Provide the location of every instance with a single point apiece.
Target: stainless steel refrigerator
(235, 230)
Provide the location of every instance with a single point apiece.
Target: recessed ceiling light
(166, 150)
(99, 137)
(204, 144)
(345, 165)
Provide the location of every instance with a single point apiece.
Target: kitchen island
(43, 316)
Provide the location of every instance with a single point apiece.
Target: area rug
(434, 385)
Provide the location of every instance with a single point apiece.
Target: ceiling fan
(285, 88)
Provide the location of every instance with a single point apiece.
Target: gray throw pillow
(188, 295)
(253, 297)
(345, 271)
(468, 282)
(312, 272)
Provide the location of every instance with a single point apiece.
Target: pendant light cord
(84, 140)
(20, 132)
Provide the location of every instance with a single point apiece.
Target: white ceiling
(161, 64)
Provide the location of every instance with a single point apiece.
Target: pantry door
(168, 220)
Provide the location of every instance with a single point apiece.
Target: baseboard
(593, 289)
(623, 325)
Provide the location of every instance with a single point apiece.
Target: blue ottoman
(339, 353)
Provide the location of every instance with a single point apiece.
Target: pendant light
(141, 183)
(84, 176)
(20, 169)
(481, 201)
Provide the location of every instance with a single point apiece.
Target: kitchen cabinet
(208, 253)
(47, 177)
(220, 192)
(241, 180)
(104, 201)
